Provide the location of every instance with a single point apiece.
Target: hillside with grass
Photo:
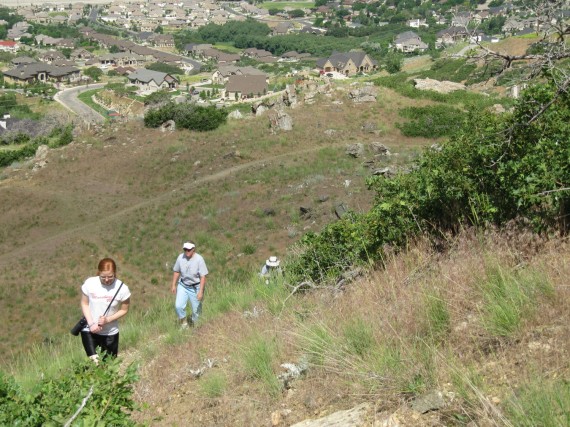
(428, 303)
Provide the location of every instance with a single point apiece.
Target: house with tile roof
(151, 81)
(409, 41)
(347, 63)
(41, 72)
(243, 87)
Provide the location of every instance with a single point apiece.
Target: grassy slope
(424, 323)
(136, 194)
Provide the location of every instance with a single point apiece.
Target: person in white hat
(188, 283)
(270, 268)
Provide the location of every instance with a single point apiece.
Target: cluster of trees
(187, 116)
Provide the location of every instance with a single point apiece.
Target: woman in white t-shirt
(102, 328)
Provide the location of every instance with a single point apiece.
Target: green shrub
(494, 169)
(107, 393)
(433, 121)
(187, 116)
(455, 70)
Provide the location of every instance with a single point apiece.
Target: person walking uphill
(104, 300)
(188, 283)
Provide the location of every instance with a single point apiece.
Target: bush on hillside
(187, 116)
(433, 121)
(107, 393)
(496, 169)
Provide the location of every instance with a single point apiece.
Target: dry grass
(396, 359)
(136, 193)
(417, 325)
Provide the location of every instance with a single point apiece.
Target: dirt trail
(57, 239)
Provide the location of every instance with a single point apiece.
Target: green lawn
(85, 97)
(227, 47)
(284, 4)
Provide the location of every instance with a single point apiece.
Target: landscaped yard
(284, 4)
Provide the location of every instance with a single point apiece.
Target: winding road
(68, 98)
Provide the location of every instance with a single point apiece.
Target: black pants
(107, 343)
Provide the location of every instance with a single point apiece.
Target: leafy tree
(164, 68)
(94, 72)
(158, 97)
(393, 62)
(296, 13)
(114, 49)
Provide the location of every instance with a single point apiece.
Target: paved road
(68, 98)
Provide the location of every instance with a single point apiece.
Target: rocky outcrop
(438, 86)
(366, 93)
(280, 121)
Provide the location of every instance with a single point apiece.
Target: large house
(347, 63)
(41, 72)
(9, 46)
(151, 81)
(224, 72)
(409, 42)
(241, 87)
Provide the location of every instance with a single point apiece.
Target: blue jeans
(183, 295)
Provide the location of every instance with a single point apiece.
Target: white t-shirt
(99, 298)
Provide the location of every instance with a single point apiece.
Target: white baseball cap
(188, 245)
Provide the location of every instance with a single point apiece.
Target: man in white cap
(270, 268)
(188, 283)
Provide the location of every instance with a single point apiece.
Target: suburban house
(219, 56)
(347, 63)
(253, 52)
(417, 23)
(224, 72)
(151, 81)
(9, 46)
(451, 36)
(293, 56)
(242, 87)
(41, 72)
(21, 60)
(409, 42)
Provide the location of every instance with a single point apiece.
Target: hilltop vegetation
(460, 322)
(444, 281)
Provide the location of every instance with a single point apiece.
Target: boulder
(379, 149)
(290, 96)
(438, 86)
(280, 121)
(355, 150)
(236, 115)
(363, 94)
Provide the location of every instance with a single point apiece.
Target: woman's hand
(94, 327)
(103, 320)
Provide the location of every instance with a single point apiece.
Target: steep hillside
(136, 194)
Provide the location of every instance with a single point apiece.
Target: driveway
(68, 98)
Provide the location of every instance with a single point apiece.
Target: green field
(284, 4)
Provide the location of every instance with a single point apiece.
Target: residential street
(68, 98)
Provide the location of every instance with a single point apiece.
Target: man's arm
(175, 277)
(202, 286)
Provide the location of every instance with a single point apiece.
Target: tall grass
(509, 299)
(541, 402)
(258, 355)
